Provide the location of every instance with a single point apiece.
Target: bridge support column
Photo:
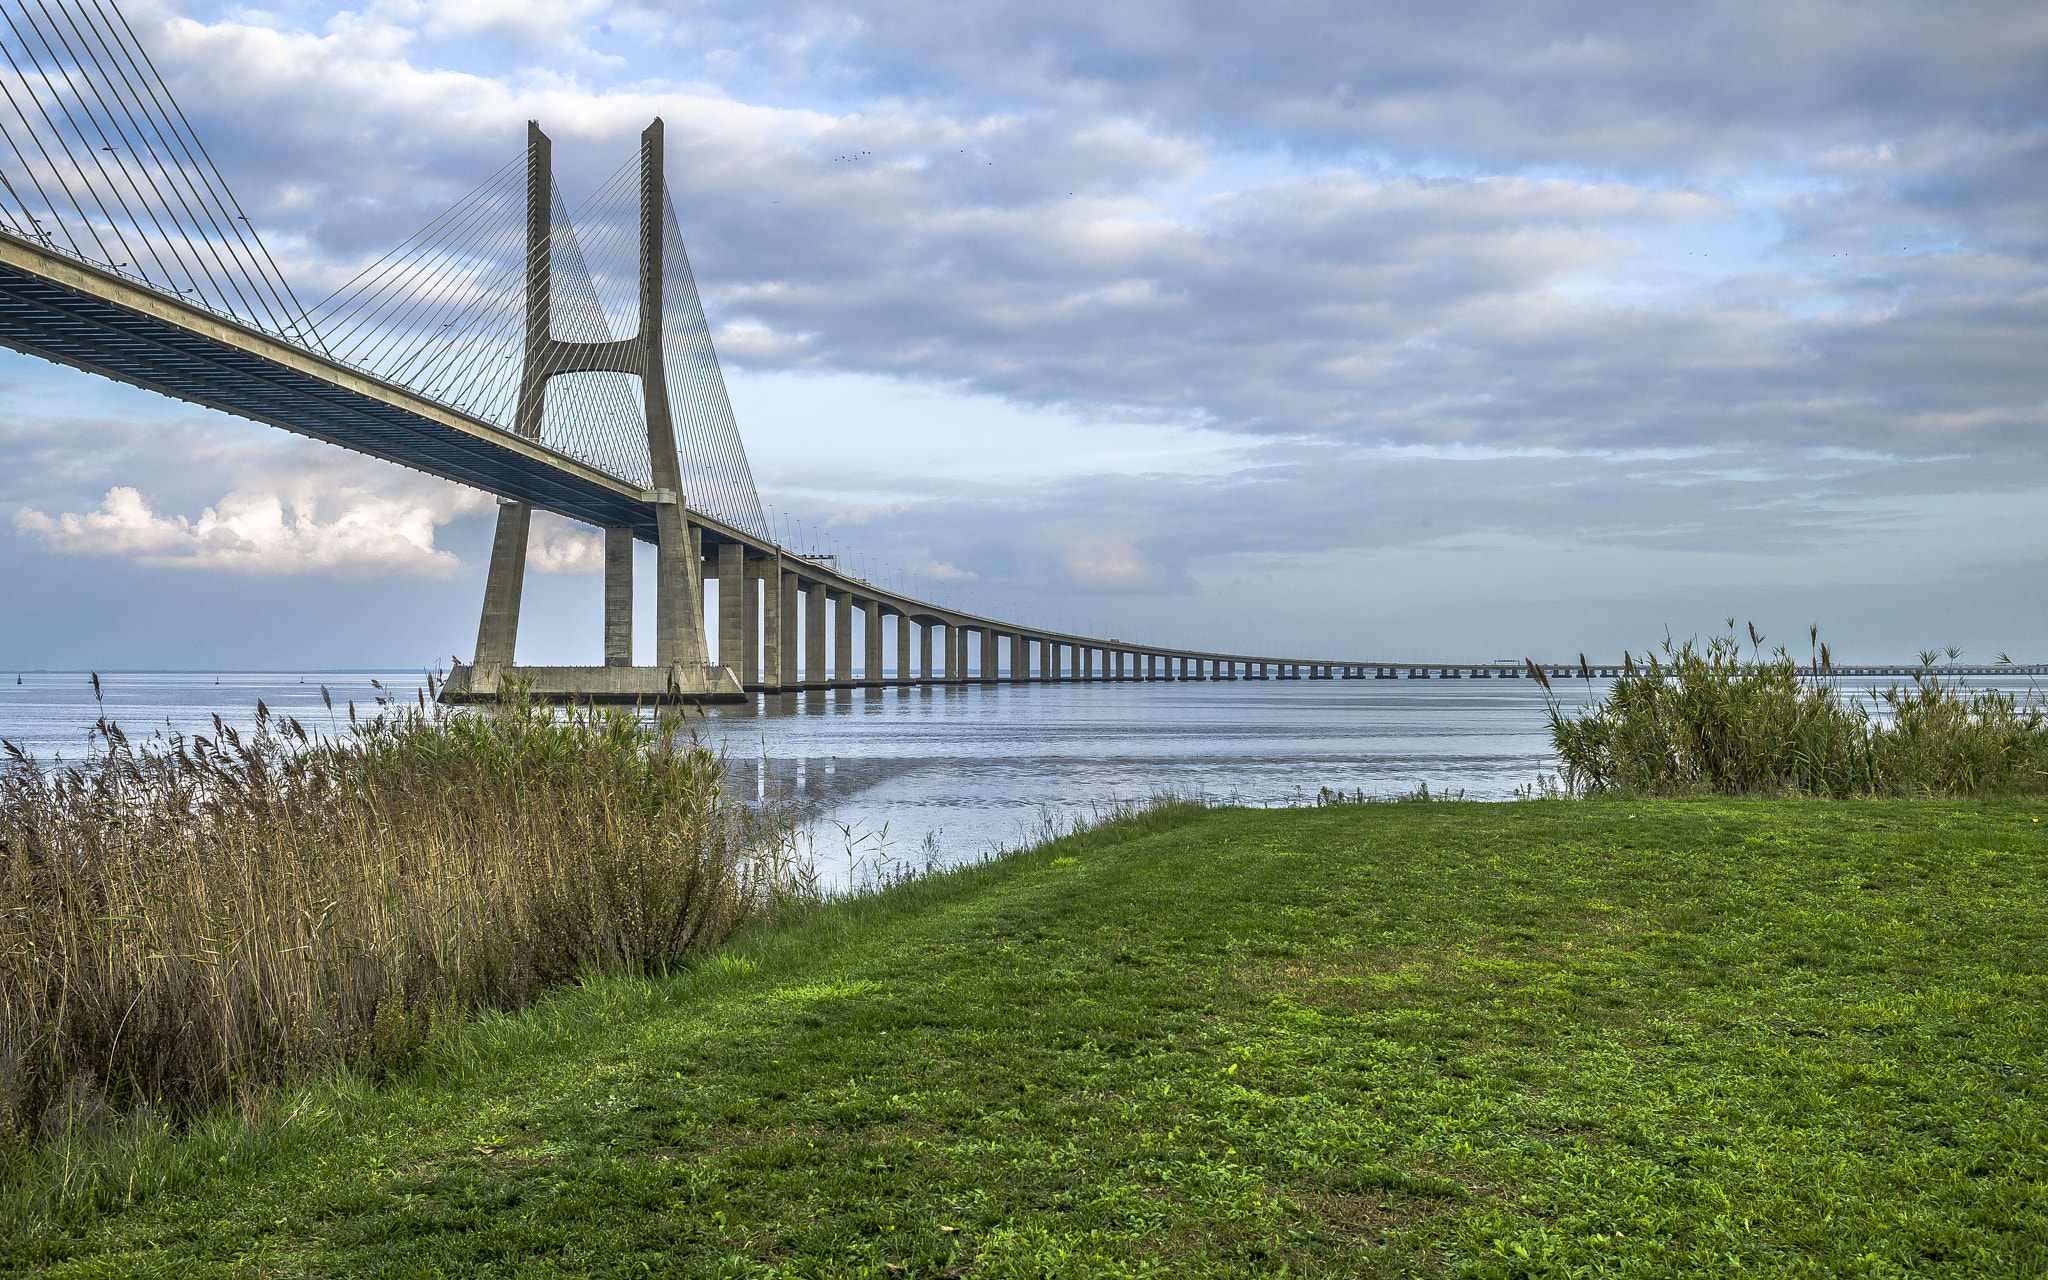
(991, 656)
(618, 597)
(678, 589)
(842, 639)
(924, 650)
(497, 634)
(871, 645)
(903, 624)
(750, 622)
(814, 633)
(731, 560)
(777, 621)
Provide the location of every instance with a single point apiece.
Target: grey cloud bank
(1674, 311)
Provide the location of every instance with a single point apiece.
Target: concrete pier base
(643, 686)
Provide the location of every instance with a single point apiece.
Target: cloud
(1763, 276)
(1596, 83)
(255, 532)
(1403, 223)
(555, 545)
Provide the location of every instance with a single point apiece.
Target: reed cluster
(187, 920)
(1704, 718)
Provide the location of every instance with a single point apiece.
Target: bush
(187, 920)
(1703, 720)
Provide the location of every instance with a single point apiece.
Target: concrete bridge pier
(991, 656)
(764, 585)
(730, 563)
(814, 634)
(871, 644)
(497, 632)
(618, 597)
(787, 595)
(750, 620)
(842, 638)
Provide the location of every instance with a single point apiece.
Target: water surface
(943, 775)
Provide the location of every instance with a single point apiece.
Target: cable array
(715, 472)
(445, 314)
(98, 161)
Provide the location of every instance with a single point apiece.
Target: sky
(1443, 330)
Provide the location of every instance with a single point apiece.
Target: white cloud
(1414, 271)
(557, 545)
(258, 532)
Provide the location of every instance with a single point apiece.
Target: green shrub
(1703, 719)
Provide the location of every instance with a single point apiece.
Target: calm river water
(950, 774)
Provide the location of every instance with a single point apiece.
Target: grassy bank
(1545, 1039)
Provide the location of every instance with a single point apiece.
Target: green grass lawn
(1537, 1039)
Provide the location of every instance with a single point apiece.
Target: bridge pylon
(681, 671)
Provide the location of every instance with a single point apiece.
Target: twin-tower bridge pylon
(682, 669)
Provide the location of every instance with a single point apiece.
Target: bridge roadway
(80, 314)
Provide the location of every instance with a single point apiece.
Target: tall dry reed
(185, 920)
(1705, 719)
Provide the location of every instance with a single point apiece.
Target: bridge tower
(681, 671)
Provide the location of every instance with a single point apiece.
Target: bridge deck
(71, 312)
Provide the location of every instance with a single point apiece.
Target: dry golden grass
(194, 920)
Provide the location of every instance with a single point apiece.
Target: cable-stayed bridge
(557, 357)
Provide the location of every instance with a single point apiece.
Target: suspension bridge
(559, 358)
